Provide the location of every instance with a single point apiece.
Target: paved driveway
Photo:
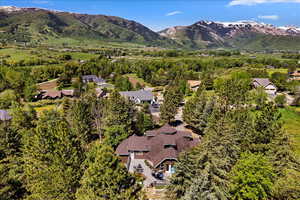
(147, 171)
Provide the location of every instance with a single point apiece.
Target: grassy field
(39, 110)
(17, 54)
(291, 119)
(49, 85)
(134, 80)
(281, 70)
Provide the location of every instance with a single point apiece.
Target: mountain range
(41, 26)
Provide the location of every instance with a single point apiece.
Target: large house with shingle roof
(295, 75)
(140, 96)
(160, 147)
(55, 94)
(266, 84)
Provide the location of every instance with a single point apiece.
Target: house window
(139, 153)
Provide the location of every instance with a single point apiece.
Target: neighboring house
(270, 67)
(55, 94)
(295, 75)
(266, 84)
(93, 79)
(160, 148)
(194, 85)
(140, 96)
(100, 92)
(4, 115)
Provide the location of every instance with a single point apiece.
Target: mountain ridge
(43, 25)
(39, 26)
(226, 34)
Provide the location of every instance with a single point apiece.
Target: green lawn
(15, 54)
(281, 70)
(39, 110)
(291, 117)
(134, 79)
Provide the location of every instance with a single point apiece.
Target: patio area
(138, 165)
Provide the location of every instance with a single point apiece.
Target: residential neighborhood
(94, 106)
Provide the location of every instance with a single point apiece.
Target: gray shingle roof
(143, 95)
(261, 82)
(4, 115)
(93, 78)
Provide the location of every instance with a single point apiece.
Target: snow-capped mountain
(210, 33)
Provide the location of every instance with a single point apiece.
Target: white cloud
(254, 2)
(270, 17)
(174, 13)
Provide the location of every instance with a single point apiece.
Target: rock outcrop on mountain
(232, 34)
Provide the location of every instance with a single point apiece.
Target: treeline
(244, 152)
(291, 56)
(69, 153)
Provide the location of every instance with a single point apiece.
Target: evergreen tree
(81, 120)
(119, 111)
(53, 158)
(266, 126)
(181, 180)
(197, 110)
(97, 111)
(212, 160)
(233, 90)
(172, 99)
(143, 121)
(30, 89)
(106, 177)
(11, 165)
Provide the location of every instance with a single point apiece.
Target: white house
(266, 84)
(140, 96)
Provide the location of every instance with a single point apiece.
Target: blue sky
(160, 14)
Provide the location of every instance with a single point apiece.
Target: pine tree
(82, 121)
(233, 90)
(11, 165)
(30, 89)
(119, 111)
(143, 122)
(266, 126)
(10, 170)
(52, 156)
(181, 180)
(212, 160)
(172, 99)
(197, 110)
(106, 177)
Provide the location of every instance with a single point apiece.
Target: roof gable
(143, 95)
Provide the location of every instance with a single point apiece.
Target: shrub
(280, 100)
